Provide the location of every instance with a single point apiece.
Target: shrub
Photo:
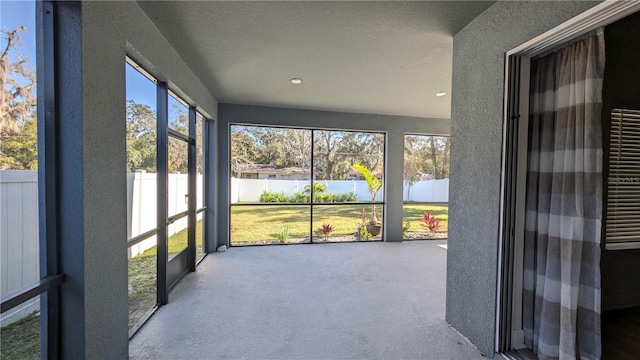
(430, 222)
(298, 197)
(274, 197)
(283, 234)
(325, 230)
(405, 227)
(345, 197)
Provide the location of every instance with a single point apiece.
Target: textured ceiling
(360, 56)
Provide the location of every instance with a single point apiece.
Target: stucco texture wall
(94, 39)
(476, 145)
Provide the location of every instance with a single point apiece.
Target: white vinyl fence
(19, 254)
(249, 190)
(19, 250)
(427, 191)
(142, 209)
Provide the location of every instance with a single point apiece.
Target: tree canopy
(335, 152)
(18, 125)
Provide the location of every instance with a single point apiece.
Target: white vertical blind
(623, 202)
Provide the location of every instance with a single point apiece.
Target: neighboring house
(84, 189)
(273, 172)
(353, 174)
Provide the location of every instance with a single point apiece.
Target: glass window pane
(20, 332)
(177, 194)
(19, 246)
(142, 279)
(261, 225)
(200, 228)
(270, 164)
(342, 223)
(141, 191)
(347, 161)
(418, 226)
(141, 152)
(178, 116)
(426, 187)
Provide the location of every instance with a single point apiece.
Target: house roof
(382, 57)
(272, 169)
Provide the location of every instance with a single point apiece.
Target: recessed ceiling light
(442, 93)
(296, 81)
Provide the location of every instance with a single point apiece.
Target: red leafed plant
(325, 230)
(430, 222)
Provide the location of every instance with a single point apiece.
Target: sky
(139, 88)
(14, 14)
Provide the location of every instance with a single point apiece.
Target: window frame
(164, 133)
(311, 204)
(51, 277)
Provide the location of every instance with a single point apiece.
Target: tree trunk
(434, 164)
(445, 158)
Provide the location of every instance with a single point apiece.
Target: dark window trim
(30, 291)
(141, 237)
(311, 204)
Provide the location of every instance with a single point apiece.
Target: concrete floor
(321, 301)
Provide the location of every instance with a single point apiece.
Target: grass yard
(21, 340)
(290, 224)
(253, 224)
(142, 274)
(413, 212)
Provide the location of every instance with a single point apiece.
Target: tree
(362, 148)
(298, 144)
(374, 184)
(412, 147)
(18, 148)
(178, 150)
(426, 155)
(335, 152)
(17, 80)
(433, 155)
(200, 144)
(326, 144)
(444, 172)
(141, 137)
(242, 149)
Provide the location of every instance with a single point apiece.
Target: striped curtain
(561, 304)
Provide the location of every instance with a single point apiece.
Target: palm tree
(374, 184)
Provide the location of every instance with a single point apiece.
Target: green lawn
(142, 274)
(21, 340)
(253, 224)
(256, 224)
(413, 212)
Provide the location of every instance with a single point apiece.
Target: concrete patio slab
(321, 301)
